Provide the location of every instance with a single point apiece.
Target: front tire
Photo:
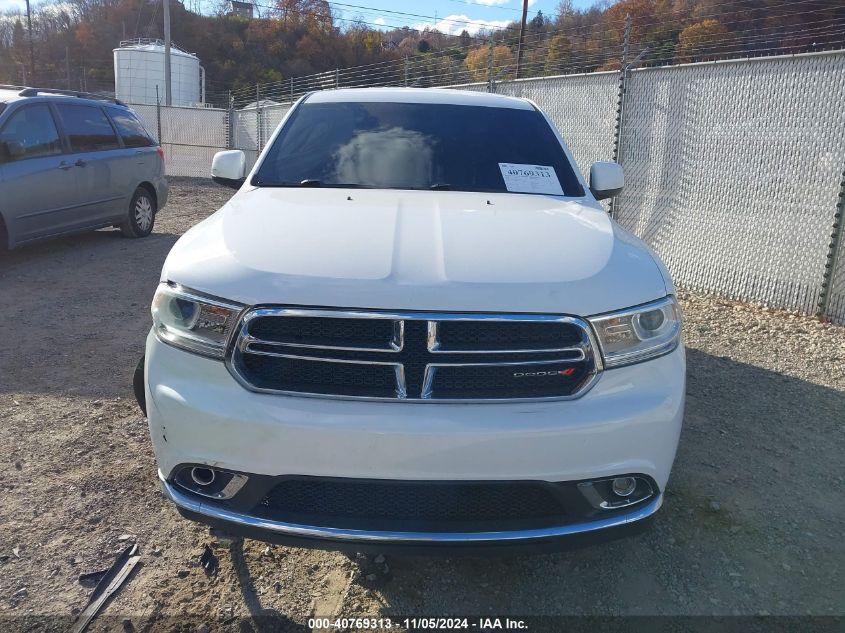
(141, 215)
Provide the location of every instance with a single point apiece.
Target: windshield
(418, 146)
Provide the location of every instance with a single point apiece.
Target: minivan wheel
(141, 216)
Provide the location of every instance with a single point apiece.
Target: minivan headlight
(193, 322)
(637, 334)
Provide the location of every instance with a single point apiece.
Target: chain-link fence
(734, 169)
(733, 172)
(190, 136)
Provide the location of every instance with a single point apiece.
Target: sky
(448, 16)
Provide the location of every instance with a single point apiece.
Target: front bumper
(297, 535)
(629, 422)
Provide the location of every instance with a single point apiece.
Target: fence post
(291, 89)
(230, 118)
(158, 116)
(337, 78)
(258, 117)
(491, 87)
(406, 71)
(832, 253)
(620, 103)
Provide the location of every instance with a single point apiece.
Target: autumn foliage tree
(477, 61)
(702, 40)
(293, 38)
(559, 54)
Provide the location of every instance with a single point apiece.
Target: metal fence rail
(735, 170)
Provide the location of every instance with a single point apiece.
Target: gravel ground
(752, 523)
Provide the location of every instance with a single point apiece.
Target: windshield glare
(417, 146)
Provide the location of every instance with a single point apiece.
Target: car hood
(415, 250)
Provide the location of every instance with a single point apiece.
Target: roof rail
(11, 87)
(33, 92)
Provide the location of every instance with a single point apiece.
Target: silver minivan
(73, 162)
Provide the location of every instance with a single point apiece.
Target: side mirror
(606, 179)
(229, 168)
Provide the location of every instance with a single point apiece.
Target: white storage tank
(139, 69)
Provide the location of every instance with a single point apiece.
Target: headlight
(195, 323)
(637, 334)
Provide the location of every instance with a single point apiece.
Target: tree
(558, 55)
(537, 23)
(477, 60)
(564, 9)
(465, 39)
(702, 40)
(651, 20)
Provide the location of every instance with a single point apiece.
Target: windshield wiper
(440, 186)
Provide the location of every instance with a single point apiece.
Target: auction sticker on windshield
(531, 178)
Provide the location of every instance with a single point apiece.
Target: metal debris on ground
(114, 578)
(209, 561)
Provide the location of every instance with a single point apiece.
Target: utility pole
(168, 100)
(67, 67)
(31, 48)
(519, 50)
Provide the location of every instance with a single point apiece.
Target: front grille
(309, 376)
(414, 505)
(325, 332)
(482, 336)
(412, 356)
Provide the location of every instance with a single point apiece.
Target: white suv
(413, 325)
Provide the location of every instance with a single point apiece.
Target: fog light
(624, 486)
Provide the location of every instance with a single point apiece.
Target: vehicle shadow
(75, 312)
(261, 620)
(728, 540)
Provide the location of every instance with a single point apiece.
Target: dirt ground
(752, 523)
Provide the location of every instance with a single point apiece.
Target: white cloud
(6, 5)
(53, 8)
(531, 3)
(494, 3)
(379, 21)
(454, 24)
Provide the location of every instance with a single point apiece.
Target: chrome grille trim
(398, 369)
(242, 342)
(435, 346)
(431, 372)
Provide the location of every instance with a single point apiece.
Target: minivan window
(87, 128)
(131, 130)
(30, 132)
(413, 146)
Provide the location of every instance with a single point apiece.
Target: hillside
(73, 40)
